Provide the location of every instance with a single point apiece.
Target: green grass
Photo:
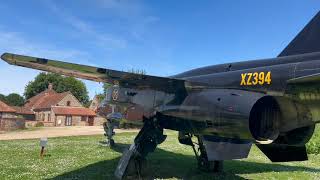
(83, 158)
(313, 146)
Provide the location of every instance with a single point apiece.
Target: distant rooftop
(6, 108)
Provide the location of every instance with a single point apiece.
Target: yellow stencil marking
(243, 79)
(255, 78)
(249, 79)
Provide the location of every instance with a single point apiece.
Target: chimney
(50, 86)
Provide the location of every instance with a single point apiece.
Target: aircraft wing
(124, 79)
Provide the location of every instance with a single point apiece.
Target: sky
(161, 37)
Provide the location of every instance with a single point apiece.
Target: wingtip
(8, 57)
(3, 56)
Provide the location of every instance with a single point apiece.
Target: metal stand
(108, 127)
(132, 162)
(201, 155)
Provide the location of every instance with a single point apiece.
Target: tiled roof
(5, 108)
(50, 100)
(22, 110)
(43, 100)
(75, 111)
(35, 99)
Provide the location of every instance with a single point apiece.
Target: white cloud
(15, 43)
(137, 23)
(14, 79)
(133, 15)
(114, 4)
(122, 8)
(136, 13)
(104, 40)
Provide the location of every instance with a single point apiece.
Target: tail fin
(307, 41)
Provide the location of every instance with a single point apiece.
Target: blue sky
(162, 37)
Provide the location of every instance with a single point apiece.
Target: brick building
(9, 119)
(6, 111)
(134, 113)
(58, 109)
(94, 105)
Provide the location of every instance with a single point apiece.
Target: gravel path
(58, 132)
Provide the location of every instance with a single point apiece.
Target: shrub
(124, 124)
(39, 124)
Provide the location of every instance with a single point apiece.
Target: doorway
(90, 121)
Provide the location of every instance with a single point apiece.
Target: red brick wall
(134, 114)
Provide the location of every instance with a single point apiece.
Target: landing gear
(133, 162)
(201, 155)
(108, 127)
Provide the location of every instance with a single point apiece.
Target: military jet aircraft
(273, 103)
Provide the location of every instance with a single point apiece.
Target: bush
(124, 124)
(39, 124)
(313, 146)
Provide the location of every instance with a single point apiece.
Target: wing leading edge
(124, 79)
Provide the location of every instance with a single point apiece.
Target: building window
(83, 118)
(68, 103)
(0, 115)
(68, 121)
(49, 115)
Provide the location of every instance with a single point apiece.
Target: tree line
(41, 82)
(12, 99)
(60, 84)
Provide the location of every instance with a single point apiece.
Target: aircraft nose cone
(9, 58)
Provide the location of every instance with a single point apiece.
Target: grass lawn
(83, 158)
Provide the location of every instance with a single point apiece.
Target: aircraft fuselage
(220, 103)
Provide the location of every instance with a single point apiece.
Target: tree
(76, 87)
(137, 71)
(60, 84)
(3, 98)
(14, 99)
(40, 83)
(100, 97)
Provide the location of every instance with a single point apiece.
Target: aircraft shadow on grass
(166, 164)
